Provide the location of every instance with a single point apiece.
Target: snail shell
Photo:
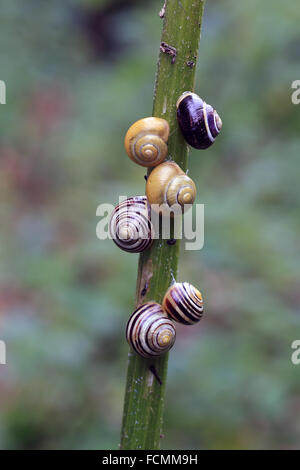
(183, 303)
(199, 122)
(146, 141)
(149, 331)
(168, 185)
(130, 226)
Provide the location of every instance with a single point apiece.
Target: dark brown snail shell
(199, 122)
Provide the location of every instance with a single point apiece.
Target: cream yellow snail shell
(146, 141)
(167, 186)
(149, 331)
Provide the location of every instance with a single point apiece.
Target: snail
(146, 141)
(199, 122)
(130, 225)
(183, 303)
(168, 185)
(149, 331)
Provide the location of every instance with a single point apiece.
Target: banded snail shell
(149, 331)
(199, 122)
(146, 141)
(183, 303)
(130, 226)
(167, 185)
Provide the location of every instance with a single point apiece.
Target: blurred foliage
(78, 73)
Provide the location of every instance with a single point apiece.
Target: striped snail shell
(168, 185)
(199, 122)
(146, 141)
(183, 303)
(130, 226)
(149, 331)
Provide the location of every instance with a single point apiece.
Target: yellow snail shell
(183, 303)
(146, 141)
(167, 185)
(149, 331)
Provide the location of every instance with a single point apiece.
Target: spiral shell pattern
(146, 141)
(130, 226)
(199, 122)
(167, 186)
(183, 303)
(149, 331)
(180, 190)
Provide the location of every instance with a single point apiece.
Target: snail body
(183, 303)
(199, 122)
(146, 141)
(168, 185)
(149, 331)
(130, 225)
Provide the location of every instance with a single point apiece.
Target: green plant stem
(144, 397)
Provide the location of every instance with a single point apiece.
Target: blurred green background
(78, 73)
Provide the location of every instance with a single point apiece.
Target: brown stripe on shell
(182, 303)
(144, 327)
(134, 214)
